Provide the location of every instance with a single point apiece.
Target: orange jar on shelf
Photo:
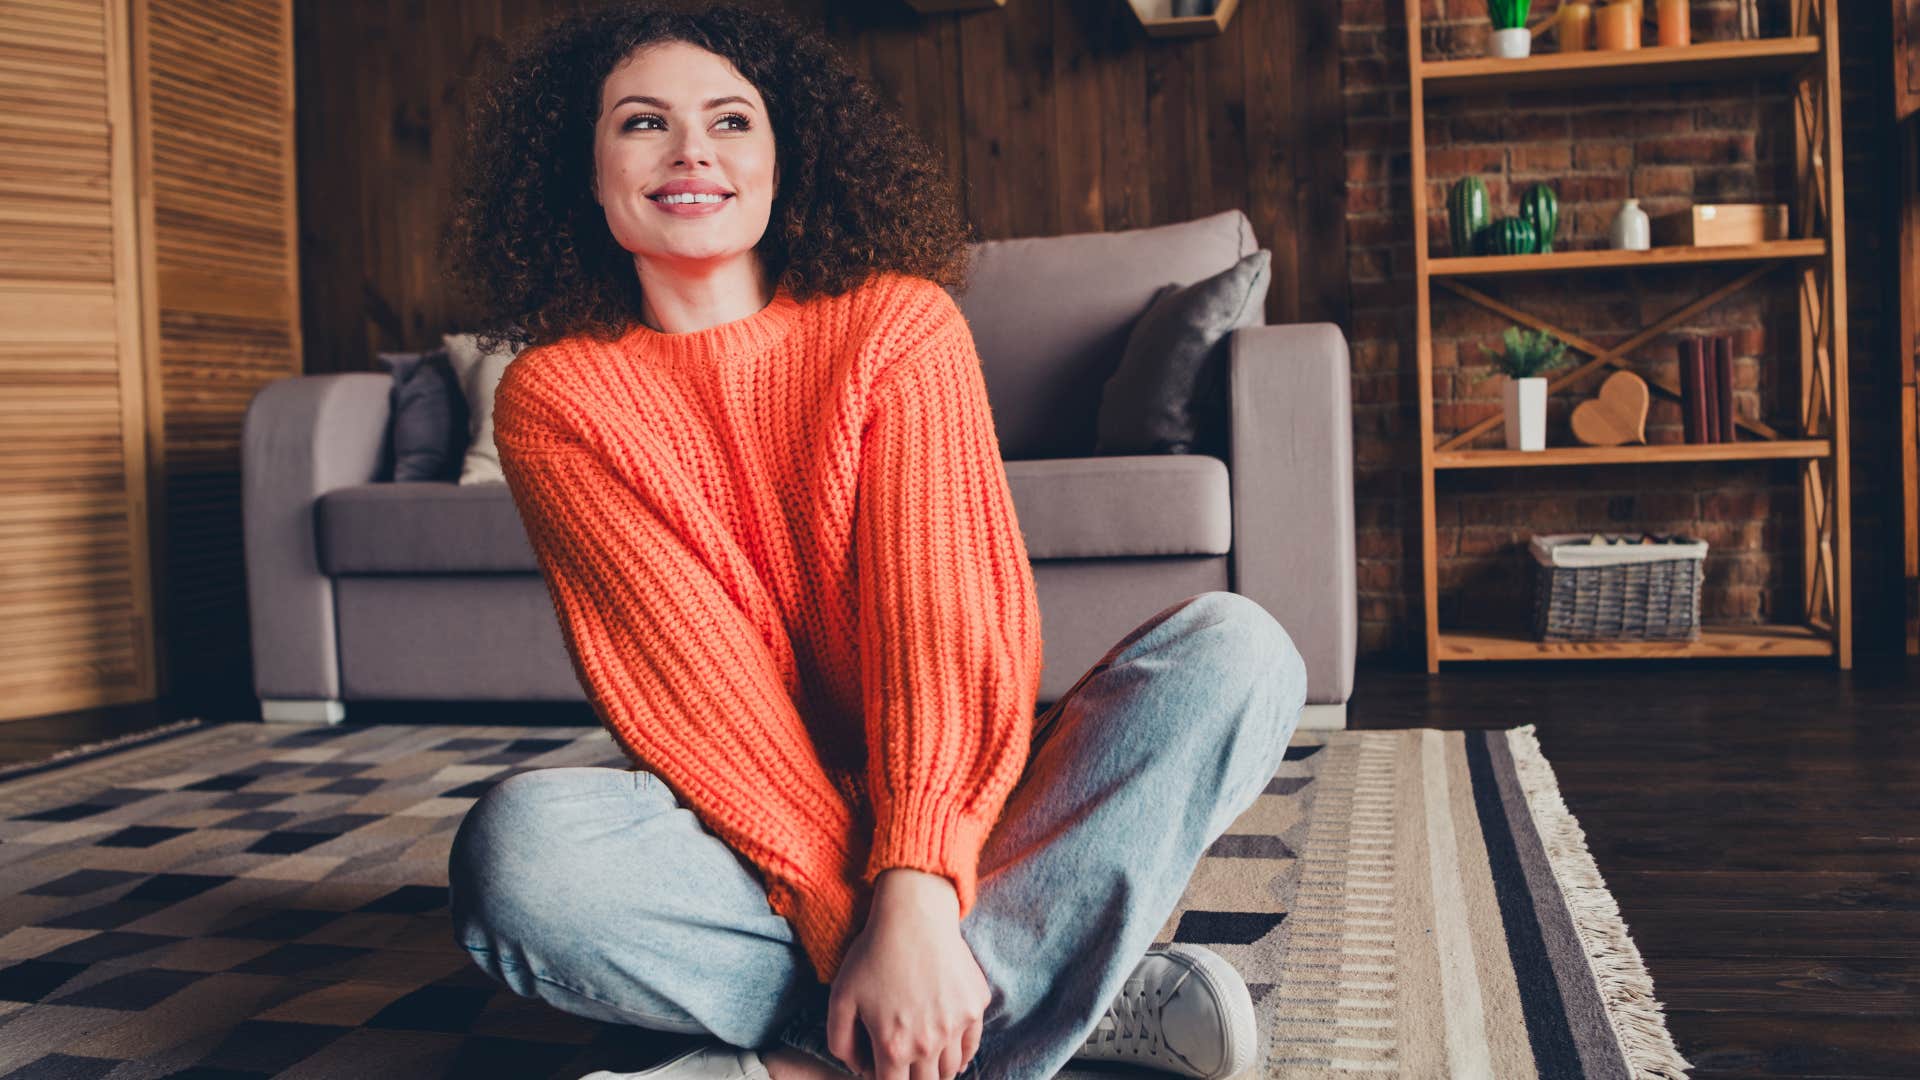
(1617, 26)
(1573, 26)
(1673, 19)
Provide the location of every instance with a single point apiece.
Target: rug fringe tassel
(1637, 1016)
(145, 734)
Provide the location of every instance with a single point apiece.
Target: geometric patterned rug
(240, 901)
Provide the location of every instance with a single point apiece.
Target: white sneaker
(714, 1061)
(1183, 1010)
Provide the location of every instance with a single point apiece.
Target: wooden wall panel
(75, 622)
(1054, 116)
(214, 82)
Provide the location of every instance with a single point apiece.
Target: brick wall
(1669, 146)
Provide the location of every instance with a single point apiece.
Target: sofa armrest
(1291, 474)
(302, 437)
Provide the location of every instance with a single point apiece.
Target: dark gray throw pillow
(1169, 393)
(428, 418)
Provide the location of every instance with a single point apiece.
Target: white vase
(1631, 230)
(1526, 401)
(1511, 44)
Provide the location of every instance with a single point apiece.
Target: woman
(751, 445)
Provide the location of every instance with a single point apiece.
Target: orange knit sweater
(788, 573)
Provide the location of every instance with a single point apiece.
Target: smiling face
(703, 123)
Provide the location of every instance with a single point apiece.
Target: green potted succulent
(1528, 353)
(1511, 38)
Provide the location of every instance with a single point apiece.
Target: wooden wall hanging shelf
(1155, 18)
(941, 7)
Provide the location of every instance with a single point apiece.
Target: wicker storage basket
(1637, 591)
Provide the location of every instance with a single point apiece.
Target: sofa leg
(1324, 717)
(302, 710)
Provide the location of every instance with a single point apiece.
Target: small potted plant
(1528, 354)
(1511, 38)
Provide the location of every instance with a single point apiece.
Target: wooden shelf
(1753, 450)
(1481, 265)
(1613, 67)
(943, 7)
(1155, 20)
(1715, 641)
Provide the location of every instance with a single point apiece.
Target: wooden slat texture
(1052, 117)
(74, 572)
(220, 160)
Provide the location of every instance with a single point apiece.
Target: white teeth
(689, 198)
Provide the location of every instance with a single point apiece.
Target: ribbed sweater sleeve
(684, 680)
(950, 643)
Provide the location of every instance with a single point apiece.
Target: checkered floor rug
(240, 901)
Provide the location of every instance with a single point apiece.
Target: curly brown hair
(859, 194)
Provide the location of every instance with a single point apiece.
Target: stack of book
(1706, 387)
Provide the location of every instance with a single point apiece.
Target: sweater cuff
(822, 915)
(948, 844)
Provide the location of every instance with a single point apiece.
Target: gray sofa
(360, 590)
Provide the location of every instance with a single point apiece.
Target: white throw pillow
(479, 374)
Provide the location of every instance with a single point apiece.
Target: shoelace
(1132, 1023)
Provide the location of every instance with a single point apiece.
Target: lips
(688, 186)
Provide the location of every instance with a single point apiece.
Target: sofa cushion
(427, 423)
(1122, 506)
(1071, 508)
(479, 373)
(444, 528)
(1050, 316)
(1169, 395)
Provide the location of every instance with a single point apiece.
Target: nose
(694, 147)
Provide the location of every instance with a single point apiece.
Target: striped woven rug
(241, 901)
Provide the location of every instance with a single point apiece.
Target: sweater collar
(748, 334)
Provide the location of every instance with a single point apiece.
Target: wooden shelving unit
(1816, 256)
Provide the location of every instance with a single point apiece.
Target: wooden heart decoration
(1617, 416)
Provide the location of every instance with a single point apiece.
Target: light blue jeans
(594, 890)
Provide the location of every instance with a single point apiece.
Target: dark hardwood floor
(1759, 825)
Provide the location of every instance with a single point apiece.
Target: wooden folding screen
(148, 274)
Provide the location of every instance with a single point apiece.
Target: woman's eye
(631, 121)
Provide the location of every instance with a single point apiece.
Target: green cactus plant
(1508, 14)
(1508, 236)
(1541, 208)
(1468, 211)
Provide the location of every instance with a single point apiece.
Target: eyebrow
(657, 103)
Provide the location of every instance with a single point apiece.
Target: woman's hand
(912, 982)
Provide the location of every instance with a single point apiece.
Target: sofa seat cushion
(1069, 508)
(1122, 506)
(422, 528)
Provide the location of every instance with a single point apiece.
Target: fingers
(952, 1060)
(893, 1060)
(970, 1041)
(840, 1017)
(899, 1060)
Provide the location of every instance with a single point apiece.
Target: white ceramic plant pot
(1511, 44)
(1526, 413)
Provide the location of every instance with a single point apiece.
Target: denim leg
(1158, 748)
(593, 890)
